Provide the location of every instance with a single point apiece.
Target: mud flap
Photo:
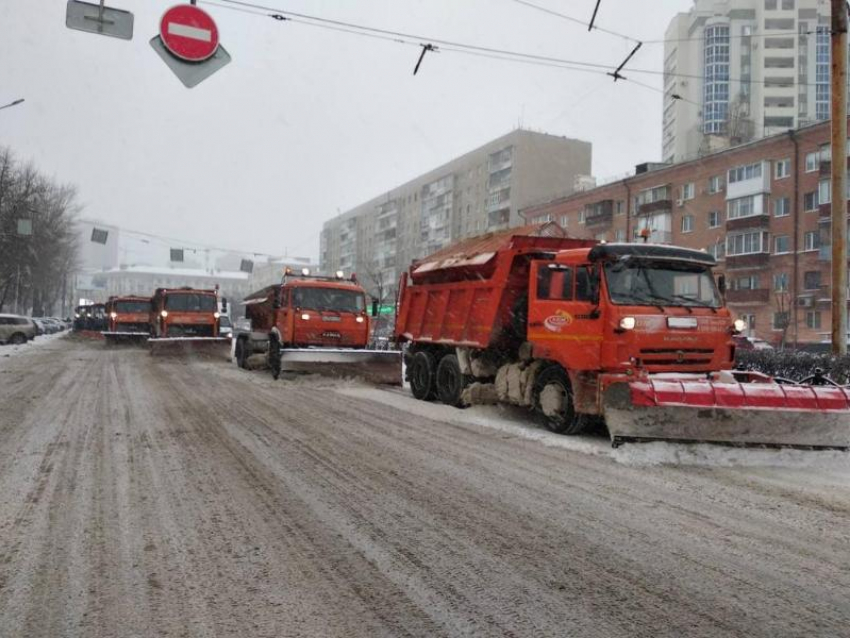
(213, 347)
(766, 414)
(376, 366)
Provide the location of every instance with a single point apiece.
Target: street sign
(189, 33)
(24, 226)
(96, 18)
(191, 73)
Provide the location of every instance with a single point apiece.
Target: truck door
(563, 314)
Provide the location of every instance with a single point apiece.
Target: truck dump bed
(464, 295)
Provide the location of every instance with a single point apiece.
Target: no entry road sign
(189, 33)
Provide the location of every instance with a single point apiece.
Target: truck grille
(190, 330)
(676, 356)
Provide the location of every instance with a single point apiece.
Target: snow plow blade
(376, 366)
(114, 338)
(218, 347)
(765, 414)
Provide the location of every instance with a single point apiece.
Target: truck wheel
(553, 400)
(274, 357)
(241, 355)
(422, 376)
(17, 339)
(449, 381)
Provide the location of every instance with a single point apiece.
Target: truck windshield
(132, 306)
(188, 302)
(332, 299)
(658, 283)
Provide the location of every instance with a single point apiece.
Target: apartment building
(477, 192)
(761, 208)
(739, 70)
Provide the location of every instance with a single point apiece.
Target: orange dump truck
(185, 319)
(635, 335)
(128, 319)
(314, 323)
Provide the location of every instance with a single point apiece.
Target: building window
(780, 320)
(770, 5)
(811, 240)
(581, 216)
(687, 223)
(811, 162)
(750, 321)
(688, 191)
(746, 243)
(810, 201)
(780, 282)
(741, 173)
(715, 184)
(621, 207)
(718, 250)
(781, 244)
(620, 235)
(743, 207)
(813, 319)
(714, 218)
(746, 283)
(824, 191)
(564, 221)
(811, 280)
(822, 90)
(781, 207)
(782, 168)
(715, 97)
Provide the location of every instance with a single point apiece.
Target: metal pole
(838, 46)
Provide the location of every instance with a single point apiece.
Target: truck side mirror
(224, 304)
(594, 285)
(721, 284)
(374, 307)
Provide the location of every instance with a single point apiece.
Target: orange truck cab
(305, 311)
(128, 315)
(551, 322)
(184, 313)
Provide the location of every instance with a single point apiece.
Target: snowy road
(157, 497)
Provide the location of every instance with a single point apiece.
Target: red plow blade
(766, 414)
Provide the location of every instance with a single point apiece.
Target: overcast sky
(307, 122)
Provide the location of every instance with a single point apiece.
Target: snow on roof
(177, 272)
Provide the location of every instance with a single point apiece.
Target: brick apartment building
(762, 209)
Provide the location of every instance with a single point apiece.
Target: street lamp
(10, 104)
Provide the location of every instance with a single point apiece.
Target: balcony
(752, 221)
(825, 213)
(753, 260)
(600, 213)
(749, 297)
(653, 207)
(825, 168)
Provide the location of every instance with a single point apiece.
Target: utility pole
(838, 49)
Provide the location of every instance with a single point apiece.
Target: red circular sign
(189, 33)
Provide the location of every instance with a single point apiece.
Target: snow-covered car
(751, 343)
(15, 329)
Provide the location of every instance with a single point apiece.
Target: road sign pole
(838, 41)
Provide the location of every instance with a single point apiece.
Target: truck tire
(553, 401)
(450, 382)
(274, 356)
(422, 376)
(241, 354)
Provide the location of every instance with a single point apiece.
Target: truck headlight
(627, 323)
(739, 325)
(305, 316)
(216, 315)
(359, 320)
(114, 315)
(164, 314)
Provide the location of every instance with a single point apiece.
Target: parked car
(40, 327)
(15, 329)
(751, 343)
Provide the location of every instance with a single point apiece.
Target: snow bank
(518, 422)
(12, 351)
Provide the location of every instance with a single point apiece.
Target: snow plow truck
(313, 323)
(128, 319)
(636, 336)
(186, 320)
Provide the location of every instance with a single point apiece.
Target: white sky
(307, 122)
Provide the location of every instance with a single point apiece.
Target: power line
(590, 25)
(420, 40)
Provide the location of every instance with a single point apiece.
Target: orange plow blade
(765, 413)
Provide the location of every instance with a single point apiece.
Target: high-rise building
(477, 192)
(739, 70)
